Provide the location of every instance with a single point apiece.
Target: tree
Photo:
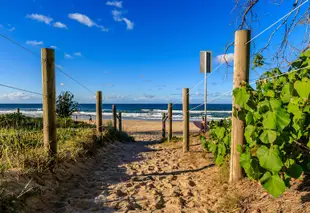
(65, 106)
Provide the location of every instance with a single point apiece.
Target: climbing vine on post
(277, 126)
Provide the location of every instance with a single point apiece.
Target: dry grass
(22, 155)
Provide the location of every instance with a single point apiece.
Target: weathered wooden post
(49, 102)
(114, 117)
(241, 73)
(99, 112)
(170, 121)
(163, 125)
(120, 122)
(185, 119)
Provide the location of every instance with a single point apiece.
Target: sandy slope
(149, 177)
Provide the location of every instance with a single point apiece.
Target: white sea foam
(145, 114)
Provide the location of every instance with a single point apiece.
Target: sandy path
(135, 177)
(146, 176)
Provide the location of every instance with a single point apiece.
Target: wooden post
(99, 112)
(114, 117)
(185, 120)
(170, 121)
(120, 122)
(163, 125)
(49, 102)
(241, 73)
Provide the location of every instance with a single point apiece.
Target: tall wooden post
(170, 121)
(114, 117)
(49, 102)
(185, 119)
(120, 122)
(163, 122)
(99, 112)
(241, 73)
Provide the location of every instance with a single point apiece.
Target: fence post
(185, 120)
(241, 73)
(120, 122)
(99, 112)
(163, 121)
(114, 117)
(170, 121)
(49, 102)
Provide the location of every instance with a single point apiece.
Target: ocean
(129, 111)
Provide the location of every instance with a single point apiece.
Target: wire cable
(190, 90)
(288, 14)
(24, 90)
(57, 68)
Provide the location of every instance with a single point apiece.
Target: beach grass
(22, 149)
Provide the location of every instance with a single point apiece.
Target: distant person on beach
(203, 124)
(90, 119)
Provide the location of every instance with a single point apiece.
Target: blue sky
(134, 51)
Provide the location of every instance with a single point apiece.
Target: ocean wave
(144, 114)
(181, 111)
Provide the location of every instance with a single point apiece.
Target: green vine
(219, 140)
(277, 118)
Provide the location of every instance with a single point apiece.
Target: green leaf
(275, 104)
(277, 119)
(241, 96)
(275, 185)
(219, 160)
(293, 108)
(286, 93)
(294, 171)
(203, 142)
(250, 165)
(268, 136)
(249, 118)
(249, 130)
(270, 93)
(221, 149)
(220, 132)
(265, 177)
(269, 158)
(303, 88)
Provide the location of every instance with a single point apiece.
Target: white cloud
(34, 43)
(83, 19)
(16, 96)
(225, 57)
(129, 23)
(40, 18)
(53, 47)
(60, 25)
(62, 84)
(118, 16)
(118, 4)
(77, 54)
(68, 56)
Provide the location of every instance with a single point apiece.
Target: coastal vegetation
(277, 118)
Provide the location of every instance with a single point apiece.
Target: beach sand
(149, 176)
(154, 127)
